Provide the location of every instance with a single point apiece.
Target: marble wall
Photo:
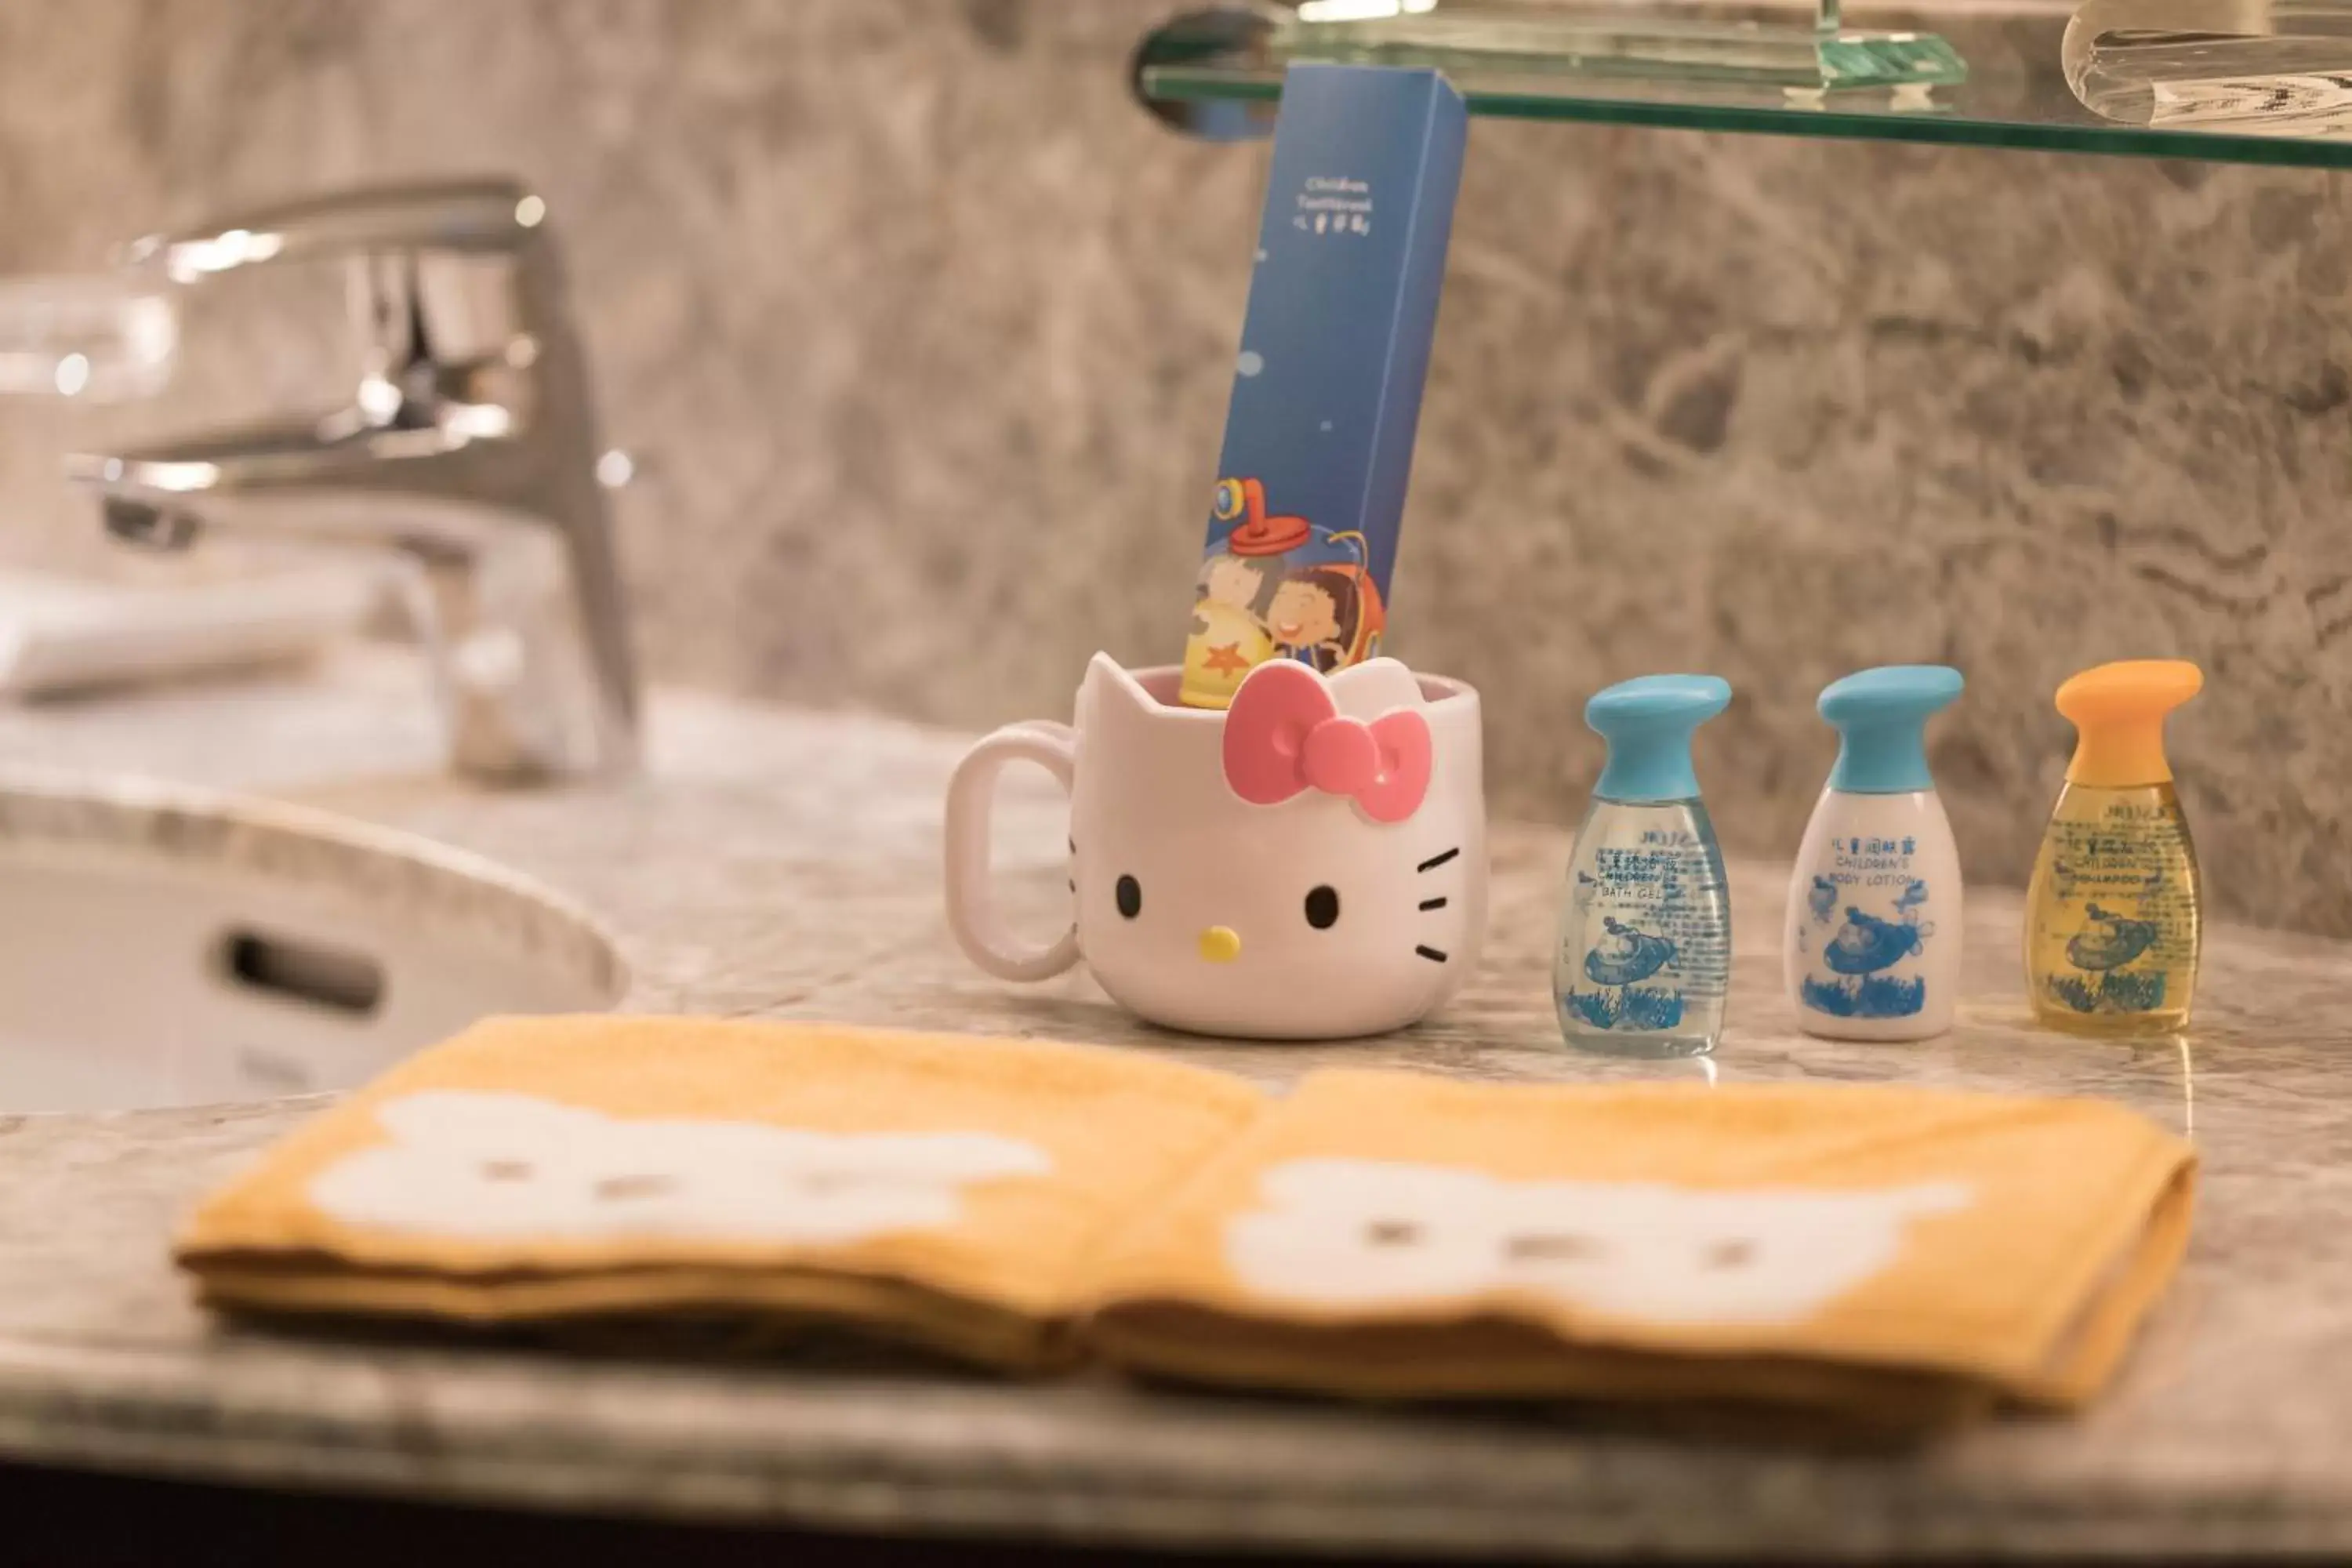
(920, 332)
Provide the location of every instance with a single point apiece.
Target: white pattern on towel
(482, 1166)
(1375, 1233)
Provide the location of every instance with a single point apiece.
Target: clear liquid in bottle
(1644, 957)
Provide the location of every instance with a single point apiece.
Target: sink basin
(160, 945)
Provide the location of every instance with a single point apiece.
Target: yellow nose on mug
(1221, 944)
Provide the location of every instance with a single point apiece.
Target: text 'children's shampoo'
(2111, 918)
(1871, 947)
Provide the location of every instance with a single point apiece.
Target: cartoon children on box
(1276, 588)
(1317, 614)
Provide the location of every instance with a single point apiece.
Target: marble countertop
(783, 864)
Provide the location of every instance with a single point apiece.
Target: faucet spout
(469, 446)
(447, 491)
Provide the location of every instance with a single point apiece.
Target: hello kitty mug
(1309, 864)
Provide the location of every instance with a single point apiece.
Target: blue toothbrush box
(1327, 388)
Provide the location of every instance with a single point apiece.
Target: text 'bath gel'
(1645, 958)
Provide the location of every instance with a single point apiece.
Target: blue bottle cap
(1880, 715)
(1648, 722)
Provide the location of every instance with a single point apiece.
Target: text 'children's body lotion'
(1871, 948)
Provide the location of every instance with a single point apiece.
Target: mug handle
(971, 803)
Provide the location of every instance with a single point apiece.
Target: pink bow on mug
(1284, 734)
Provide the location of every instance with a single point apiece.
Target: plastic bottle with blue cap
(1872, 947)
(1645, 958)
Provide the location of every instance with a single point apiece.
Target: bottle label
(1867, 921)
(1649, 939)
(2121, 915)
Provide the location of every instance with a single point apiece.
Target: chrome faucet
(469, 446)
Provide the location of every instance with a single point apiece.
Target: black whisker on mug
(1432, 903)
(1431, 953)
(1434, 861)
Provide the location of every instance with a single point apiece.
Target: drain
(335, 978)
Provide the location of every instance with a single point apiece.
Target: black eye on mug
(1130, 893)
(1323, 907)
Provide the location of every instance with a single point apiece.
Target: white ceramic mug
(1309, 863)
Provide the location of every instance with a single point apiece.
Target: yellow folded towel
(950, 1190)
(1895, 1255)
(1905, 1256)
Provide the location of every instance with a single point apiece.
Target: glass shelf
(1218, 73)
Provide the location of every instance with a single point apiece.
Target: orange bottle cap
(2118, 712)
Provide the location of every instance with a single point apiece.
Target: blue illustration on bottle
(1624, 956)
(2103, 954)
(1866, 943)
(1822, 901)
(2123, 941)
(1865, 946)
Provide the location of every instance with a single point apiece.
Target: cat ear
(1107, 682)
(464, 1118)
(1375, 686)
(1349, 1188)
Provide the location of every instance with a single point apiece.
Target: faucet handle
(455, 290)
(493, 218)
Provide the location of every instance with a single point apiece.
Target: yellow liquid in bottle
(2112, 916)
